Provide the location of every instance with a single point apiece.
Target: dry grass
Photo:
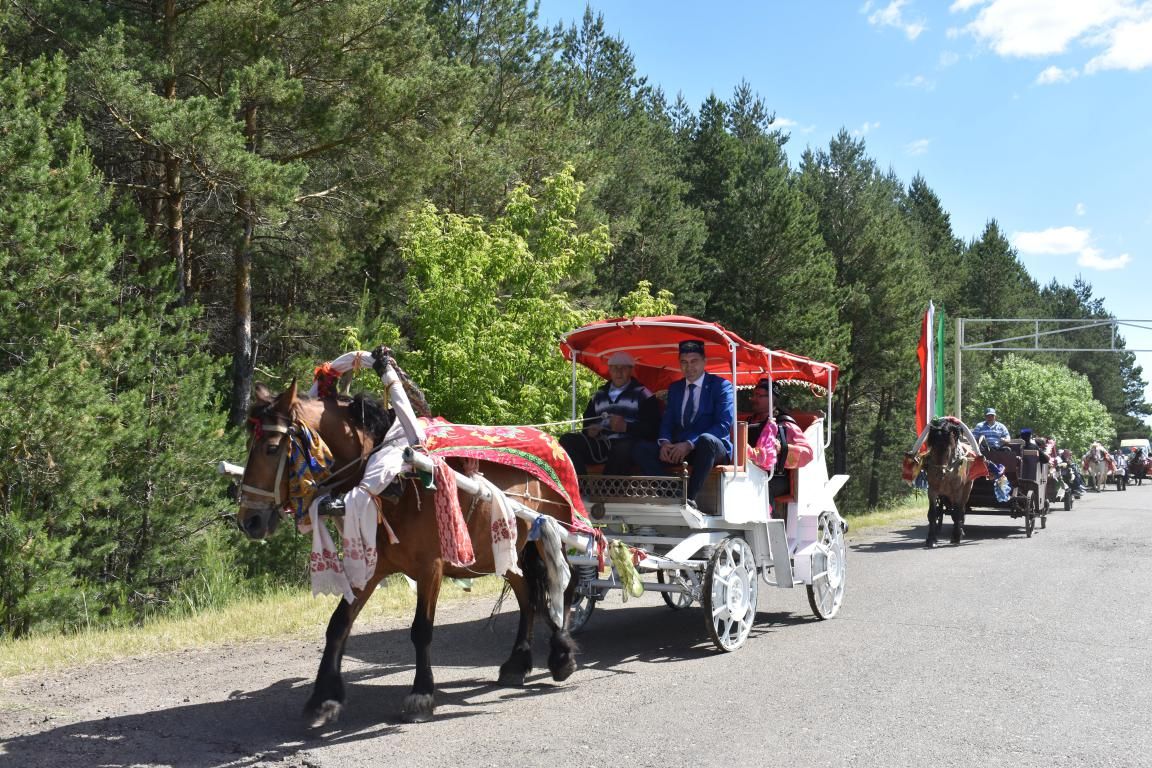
(913, 510)
(284, 613)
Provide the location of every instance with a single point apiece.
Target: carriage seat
(740, 451)
(740, 454)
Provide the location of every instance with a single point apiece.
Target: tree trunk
(173, 182)
(840, 433)
(175, 204)
(883, 413)
(242, 356)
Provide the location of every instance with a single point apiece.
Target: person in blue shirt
(697, 424)
(990, 431)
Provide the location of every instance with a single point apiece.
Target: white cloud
(1080, 209)
(866, 128)
(918, 147)
(1129, 47)
(788, 124)
(1092, 260)
(1056, 240)
(918, 81)
(1039, 28)
(892, 15)
(1056, 75)
(1063, 241)
(948, 58)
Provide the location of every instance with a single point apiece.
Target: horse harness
(292, 434)
(958, 457)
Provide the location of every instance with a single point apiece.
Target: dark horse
(949, 481)
(1137, 467)
(342, 425)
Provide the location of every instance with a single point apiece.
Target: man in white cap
(990, 431)
(619, 413)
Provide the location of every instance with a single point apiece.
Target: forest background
(196, 194)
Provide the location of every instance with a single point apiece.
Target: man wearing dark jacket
(697, 424)
(619, 413)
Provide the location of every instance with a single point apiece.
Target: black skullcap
(692, 347)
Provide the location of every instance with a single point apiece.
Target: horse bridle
(277, 497)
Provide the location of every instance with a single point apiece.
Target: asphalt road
(1002, 651)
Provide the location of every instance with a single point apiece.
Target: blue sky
(1037, 113)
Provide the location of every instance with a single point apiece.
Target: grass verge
(281, 613)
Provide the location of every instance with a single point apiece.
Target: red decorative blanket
(525, 448)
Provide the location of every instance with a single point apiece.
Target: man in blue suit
(697, 423)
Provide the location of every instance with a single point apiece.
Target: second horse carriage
(1030, 489)
(713, 552)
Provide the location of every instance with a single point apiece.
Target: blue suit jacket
(714, 416)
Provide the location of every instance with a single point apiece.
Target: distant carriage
(1098, 466)
(1029, 493)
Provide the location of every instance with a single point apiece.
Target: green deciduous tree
(487, 305)
(1050, 399)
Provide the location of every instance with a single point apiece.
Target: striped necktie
(690, 405)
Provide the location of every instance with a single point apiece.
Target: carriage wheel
(1030, 515)
(826, 591)
(584, 601)
(686, 578)
(729, 596)
(581, 611)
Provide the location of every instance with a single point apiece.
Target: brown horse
(949, 482)
(343, 426)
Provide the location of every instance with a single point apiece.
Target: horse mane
(942, 429)
(368, 414)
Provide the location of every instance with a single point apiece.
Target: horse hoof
(563, 671)
(417, 708)
(327, 713)
(511, 679)
(930, 544)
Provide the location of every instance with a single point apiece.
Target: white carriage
(716, 552)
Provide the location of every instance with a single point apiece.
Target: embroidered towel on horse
(503, 528)
(358, 534)
(327, 571)
(455, 542)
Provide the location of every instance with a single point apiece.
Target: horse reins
(277, 496)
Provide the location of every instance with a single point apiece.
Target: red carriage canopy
(654, 343)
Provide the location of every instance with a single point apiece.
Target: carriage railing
(638, 488)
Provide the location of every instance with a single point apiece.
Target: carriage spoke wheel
(729, 596)
(585, 598)
(826, 591)
(1030, 515)
(687, 579)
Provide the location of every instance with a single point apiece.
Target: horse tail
(551, 573)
